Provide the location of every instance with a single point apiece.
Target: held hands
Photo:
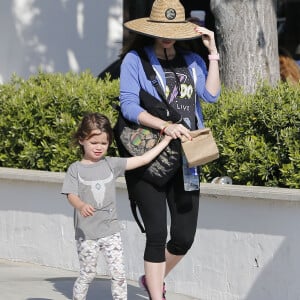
(87, 210)
(167, 138)
(176, 131)
(208, 39)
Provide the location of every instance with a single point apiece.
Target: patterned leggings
(88, 252)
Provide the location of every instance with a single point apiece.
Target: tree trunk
(246, 32)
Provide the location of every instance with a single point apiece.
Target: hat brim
(168, 30)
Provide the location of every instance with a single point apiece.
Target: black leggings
(152, 203)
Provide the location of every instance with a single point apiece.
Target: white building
(76, 35)
(58, 35)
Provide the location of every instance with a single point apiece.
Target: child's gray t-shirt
(95, 184)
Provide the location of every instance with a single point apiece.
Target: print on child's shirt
(97, 188)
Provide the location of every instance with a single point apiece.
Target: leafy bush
(258, 135)
(40, 115)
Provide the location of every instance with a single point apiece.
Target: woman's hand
(208, 39)
(213, 83)
(176, 131)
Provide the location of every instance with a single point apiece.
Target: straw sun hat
(167, 20)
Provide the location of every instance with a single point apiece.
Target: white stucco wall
(247, 243)
(58, 35)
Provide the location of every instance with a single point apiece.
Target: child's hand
(87, 210)
(167, 138)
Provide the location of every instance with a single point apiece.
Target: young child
(90, 188)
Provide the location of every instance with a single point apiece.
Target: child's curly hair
(90, 122)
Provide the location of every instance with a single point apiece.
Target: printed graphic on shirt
(97, 188)
(186, 89)
(184, 100)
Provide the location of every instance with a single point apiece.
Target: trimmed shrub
(40, 115)
(258, 135)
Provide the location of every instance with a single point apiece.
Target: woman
(184, 78)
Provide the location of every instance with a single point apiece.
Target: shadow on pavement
(99, 288)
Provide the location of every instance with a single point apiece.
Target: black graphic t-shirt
(183, 102)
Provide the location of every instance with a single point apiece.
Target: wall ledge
(207, 189)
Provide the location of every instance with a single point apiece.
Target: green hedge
(258, 135)
(38, 117)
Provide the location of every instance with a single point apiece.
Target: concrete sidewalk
(26, 281)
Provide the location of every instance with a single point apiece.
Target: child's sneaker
(143, 285)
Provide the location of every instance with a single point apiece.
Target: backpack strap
(133, 207)
(151, 75)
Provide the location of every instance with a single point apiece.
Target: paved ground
(25, 281)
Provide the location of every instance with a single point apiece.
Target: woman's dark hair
(90, 122)
(136, 42)
(139, 41)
